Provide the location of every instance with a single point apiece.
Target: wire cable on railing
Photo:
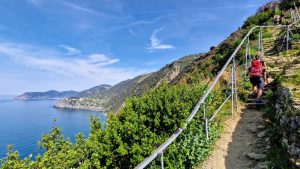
(220, 107)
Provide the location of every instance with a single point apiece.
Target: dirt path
(242, 145)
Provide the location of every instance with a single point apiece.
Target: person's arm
(248, 71)
(265, 66)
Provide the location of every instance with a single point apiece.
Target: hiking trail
(243, 143)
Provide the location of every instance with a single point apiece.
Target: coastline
(81, 108)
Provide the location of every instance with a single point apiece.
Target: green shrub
(267, 34)
(296, 37)
(248, 85)
(259, 19)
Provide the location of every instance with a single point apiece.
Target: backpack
(256, 68)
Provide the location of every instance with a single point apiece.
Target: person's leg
(252, 80)
(260, 87)
(265, 77)
(259, 94)
(254, 90)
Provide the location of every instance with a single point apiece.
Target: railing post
(247, 57)
(287, 37)
(235, 88)
(162, 160)
(206, 122)
(262, 44)
(232, 90)
(206, 129)
(204, 110)
(293, 16)
(258, 42)
(249, 52)
(296, 12)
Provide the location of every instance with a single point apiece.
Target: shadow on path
(244, 140)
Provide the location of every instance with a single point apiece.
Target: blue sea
(23, 122)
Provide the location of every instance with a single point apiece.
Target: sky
(76, 44)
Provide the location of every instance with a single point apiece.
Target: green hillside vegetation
(149, 118)
(97, 90)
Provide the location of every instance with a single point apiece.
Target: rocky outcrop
(288, 119)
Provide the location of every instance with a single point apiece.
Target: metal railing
(233, 95)
(295, 15)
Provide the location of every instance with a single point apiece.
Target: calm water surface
(23, 122)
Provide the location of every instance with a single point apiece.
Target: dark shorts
(258, 82)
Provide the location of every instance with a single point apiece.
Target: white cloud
(77, 7)
(132, 33)
(156, 43)
(101, 59)
(70, 50)
(146, 22)
(80, 8)
(92, 67)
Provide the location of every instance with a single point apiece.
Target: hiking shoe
(258, 101)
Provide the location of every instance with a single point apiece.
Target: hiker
(256, 77)
(277, 19)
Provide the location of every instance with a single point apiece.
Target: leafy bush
(296, 37)
(259, 19)
(267, 34)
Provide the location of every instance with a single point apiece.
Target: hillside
(97, 90)
(52, 94)
(147, 121)
(113, 98)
